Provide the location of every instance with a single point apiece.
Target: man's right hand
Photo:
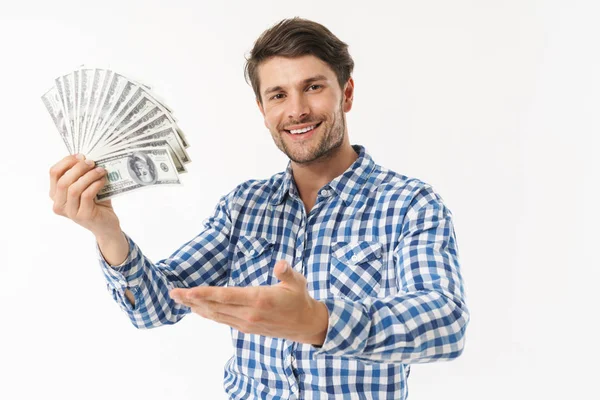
(74, 183)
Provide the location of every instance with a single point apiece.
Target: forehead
(286, 71)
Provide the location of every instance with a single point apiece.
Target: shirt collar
(347, 185)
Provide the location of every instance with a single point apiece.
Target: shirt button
(355, 258)
(252, 252)
(222, 203)
(324, 192)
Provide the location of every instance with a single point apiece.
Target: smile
(304, 130)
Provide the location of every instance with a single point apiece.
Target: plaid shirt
(378, 249)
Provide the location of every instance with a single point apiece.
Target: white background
(494, 103)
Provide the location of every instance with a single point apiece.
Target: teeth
(297, 131)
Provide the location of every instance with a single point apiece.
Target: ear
(348, 95)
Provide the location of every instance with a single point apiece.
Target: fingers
(221, 318)
(81, 194)
(63, 186)
(58, 170)
(88, 196)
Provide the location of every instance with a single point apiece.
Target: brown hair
(297, 37)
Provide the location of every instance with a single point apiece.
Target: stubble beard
(330, 140)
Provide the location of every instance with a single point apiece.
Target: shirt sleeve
(426, 319)
(203, 261)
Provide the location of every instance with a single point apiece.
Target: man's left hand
(284, 310)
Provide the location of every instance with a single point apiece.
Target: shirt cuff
(348, 329)
(128, 273)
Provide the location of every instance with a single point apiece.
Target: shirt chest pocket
(355, 270)
(252, 262)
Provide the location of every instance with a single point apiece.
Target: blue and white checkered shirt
(378, 248)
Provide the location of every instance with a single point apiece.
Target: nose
(298, 107)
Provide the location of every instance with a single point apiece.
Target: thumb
(285, 273)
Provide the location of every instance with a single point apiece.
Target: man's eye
(277, 96)
(314, 87)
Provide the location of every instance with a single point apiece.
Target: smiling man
(334, 275)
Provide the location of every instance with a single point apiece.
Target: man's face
(142, 171)
(300, 94)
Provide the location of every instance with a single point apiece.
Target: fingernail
(89, 162)
(285, 267)
(79, 157)
(99, 170)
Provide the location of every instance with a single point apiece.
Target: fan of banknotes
(120, 124)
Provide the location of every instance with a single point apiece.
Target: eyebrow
(304, 82)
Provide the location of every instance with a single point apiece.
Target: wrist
(114, 247)
(321, 324)
(108, 236)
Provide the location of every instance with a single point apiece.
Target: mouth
(303, 132)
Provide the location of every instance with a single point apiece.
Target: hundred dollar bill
(86, 77)
(63, 105)
(94, 85)
(167, 133)
(76, 95)
(66, 82)
(52, 101)
(132, 170)
(152, 143)
(99, 107)
(95, 93)
(183, 138)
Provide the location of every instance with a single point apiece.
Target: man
(339, 272)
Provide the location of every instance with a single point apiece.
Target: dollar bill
(69, 100)
(52, 101)
(95, 94)
(132, 170)
(183, 138)
(153, 143)
(58, 84)
(167, 133)
(94, 91)
(98, 107)
(76, 96)
(86, 77)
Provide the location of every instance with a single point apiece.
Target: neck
(311, 177)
